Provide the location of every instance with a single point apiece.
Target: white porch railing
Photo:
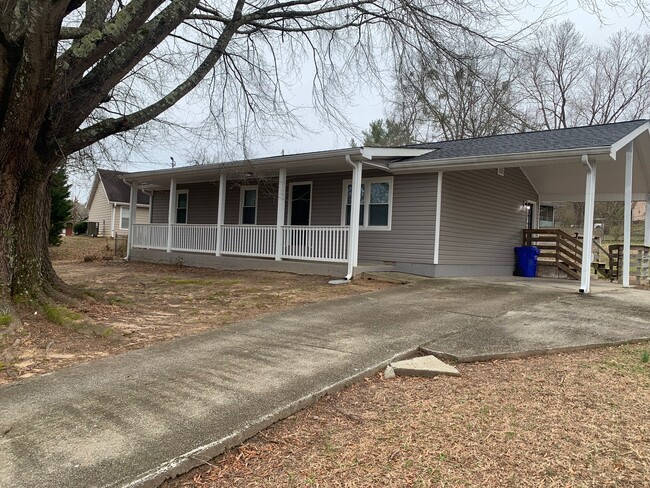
(305, 243)
(315, 243)
(150, 236)
(194, 238)
(249, 240)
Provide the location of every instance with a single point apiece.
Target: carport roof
(526, 142)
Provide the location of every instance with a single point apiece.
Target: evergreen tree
(61, 208)
(386, 133)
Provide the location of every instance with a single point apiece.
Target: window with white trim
(376, 203)
(248, 205)
(125, 216)
(181, 206)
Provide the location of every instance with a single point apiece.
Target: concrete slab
(424, 366)
(134, 419)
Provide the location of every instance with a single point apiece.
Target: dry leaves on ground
(576, 419)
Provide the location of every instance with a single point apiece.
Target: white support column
(133, 208)
(221, 212)
(436, 242)
(279, 222)
(113, 221)
(171, 216)
(588, 226)
(627, 219)
(646, 235)
(355, 211)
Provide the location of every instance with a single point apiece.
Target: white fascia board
(497, 160)
(620, 144)
(393, 152)
(279, 161)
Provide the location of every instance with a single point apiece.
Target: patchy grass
(61, 315)
(560, 420)
(5, 319)
(84, 248)
(135, 305)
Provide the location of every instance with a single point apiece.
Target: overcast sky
(366, 106)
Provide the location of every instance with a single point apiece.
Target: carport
(585, 164)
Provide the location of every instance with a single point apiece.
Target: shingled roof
(116, 190)
(547, 140)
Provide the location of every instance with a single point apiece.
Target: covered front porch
(307, 208)
(326, 243)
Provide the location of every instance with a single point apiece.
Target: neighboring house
(454, 208)
(108, 204)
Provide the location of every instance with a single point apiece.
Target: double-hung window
(376, 203)
(248, 210)
(125, 216)
(181, 207)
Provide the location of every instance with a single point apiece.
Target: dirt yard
(132, 305)
(570, 420)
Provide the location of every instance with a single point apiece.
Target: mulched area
(567, 420)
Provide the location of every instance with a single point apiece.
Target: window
(248, 213)
(181, 207)
(376, 203)
(348, 205)
(124, 218)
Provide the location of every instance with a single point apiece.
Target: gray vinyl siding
(202, 202)
(411, 238)
(266, 201)
(159, 207)
(482, 216)
(412, 235)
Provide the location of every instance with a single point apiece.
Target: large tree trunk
(26, 271)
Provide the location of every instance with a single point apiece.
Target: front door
(300, 204)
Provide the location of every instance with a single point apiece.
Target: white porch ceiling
(565, 182)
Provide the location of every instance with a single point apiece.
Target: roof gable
(117, 190)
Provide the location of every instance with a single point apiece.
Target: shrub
(80, 227)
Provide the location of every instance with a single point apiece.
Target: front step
(601, 269)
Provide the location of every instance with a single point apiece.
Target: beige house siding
(101, 211)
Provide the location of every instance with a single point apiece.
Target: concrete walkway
(136, 418)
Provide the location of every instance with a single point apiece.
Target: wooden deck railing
(557, 248)
(639, 263)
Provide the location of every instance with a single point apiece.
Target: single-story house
(109, 204)
(453, 208)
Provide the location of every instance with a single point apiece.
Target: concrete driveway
(137, 418)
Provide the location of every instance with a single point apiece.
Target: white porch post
(646, 235)
(355, 211)
(221, 212)
(588, 226)
(133, 208)
(627, 222)
(279, 222)
(436, 242)
(113, 221)
(171, 216)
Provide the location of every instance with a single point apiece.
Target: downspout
(353, 237)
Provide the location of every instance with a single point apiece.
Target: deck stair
(557, 248)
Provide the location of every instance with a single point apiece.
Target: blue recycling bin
(526, 261)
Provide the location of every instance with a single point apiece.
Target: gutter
(491, 161)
